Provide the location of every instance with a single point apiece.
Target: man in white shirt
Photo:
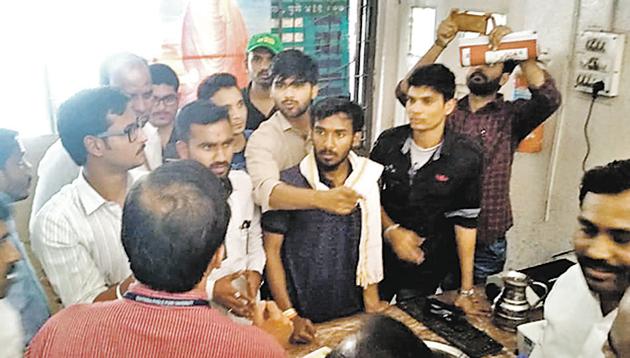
(206, 136)
(619, 337)
(583, 303)
(165, 104)
(131, 75)
(11, 341)
(76, 235)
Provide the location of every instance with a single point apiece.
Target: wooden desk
(333, 332)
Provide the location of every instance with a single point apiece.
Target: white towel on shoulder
(364, 180)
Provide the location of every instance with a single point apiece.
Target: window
(422, 32)
(57, 50)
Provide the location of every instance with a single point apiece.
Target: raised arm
(445, 34)
(271, 193)
(340, 200)
(545, 100)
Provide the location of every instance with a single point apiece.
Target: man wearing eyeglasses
(165, 104)
(128, 72)
(76, 234)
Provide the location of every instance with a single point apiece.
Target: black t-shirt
(254, 116)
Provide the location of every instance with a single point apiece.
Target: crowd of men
(232, 225)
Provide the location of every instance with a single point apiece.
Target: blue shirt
(238, 160)
(26, 294)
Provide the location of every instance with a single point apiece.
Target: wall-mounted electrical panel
(598, 58)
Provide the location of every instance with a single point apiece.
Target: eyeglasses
(169, 100)
(131, 131)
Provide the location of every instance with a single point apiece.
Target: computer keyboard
(450, 323)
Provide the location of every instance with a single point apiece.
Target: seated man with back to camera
(173, 229)
(320, 265)
(206, 136)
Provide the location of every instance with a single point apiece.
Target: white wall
(545, 184)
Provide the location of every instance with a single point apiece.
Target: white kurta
(243, 240)
(575, 326)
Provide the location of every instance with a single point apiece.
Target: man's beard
(324, 167)
(264, 81)
(300, 111)
(479, 84)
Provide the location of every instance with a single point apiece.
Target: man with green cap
(261, 49)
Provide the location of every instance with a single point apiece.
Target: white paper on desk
(320, 353)
(528, 336)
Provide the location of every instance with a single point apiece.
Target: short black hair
(329, 106)
(509, 66)
(162, 74)
(294, 64)
(436, 76)
(213, 83)
(8, 145)
(115, 62)
(612, 178)
(5, 207)
(198, 112)
(173, 222)
(381, 336)
(85, 114)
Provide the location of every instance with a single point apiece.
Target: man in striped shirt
(173, 228)
(76, 234)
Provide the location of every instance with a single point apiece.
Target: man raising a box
(499, 126)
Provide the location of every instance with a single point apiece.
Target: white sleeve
(70, 268)
(255, 252)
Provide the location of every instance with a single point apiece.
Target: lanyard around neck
(169, 302)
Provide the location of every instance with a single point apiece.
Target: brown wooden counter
(331, 333)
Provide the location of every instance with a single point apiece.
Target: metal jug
(511, 307)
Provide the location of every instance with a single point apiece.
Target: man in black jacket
(429, 193)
